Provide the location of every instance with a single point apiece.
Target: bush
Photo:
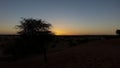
(118, 32)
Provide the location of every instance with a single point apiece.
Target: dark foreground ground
(97, 54)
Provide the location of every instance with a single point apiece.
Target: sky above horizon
(68, 17)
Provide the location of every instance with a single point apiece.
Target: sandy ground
(99, 54)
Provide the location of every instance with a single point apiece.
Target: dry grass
(99, 54)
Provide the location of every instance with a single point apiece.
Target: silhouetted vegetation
(35, 35)
(118, 32)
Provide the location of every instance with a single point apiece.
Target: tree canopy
(33, 27)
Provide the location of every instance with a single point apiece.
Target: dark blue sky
(66, 16)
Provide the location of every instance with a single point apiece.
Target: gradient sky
(84, 17)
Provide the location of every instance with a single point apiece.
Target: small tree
(118, 32)
(38, 31)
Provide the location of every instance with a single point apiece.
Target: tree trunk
(45, 54)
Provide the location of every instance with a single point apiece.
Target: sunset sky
(68, 17)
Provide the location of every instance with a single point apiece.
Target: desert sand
(97, 54)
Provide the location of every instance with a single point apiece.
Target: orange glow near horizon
(59, 32)
(64, 32)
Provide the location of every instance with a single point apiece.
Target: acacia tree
(37, 31)
(34, 27)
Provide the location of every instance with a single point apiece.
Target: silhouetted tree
(118, 32)
(35, 35)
